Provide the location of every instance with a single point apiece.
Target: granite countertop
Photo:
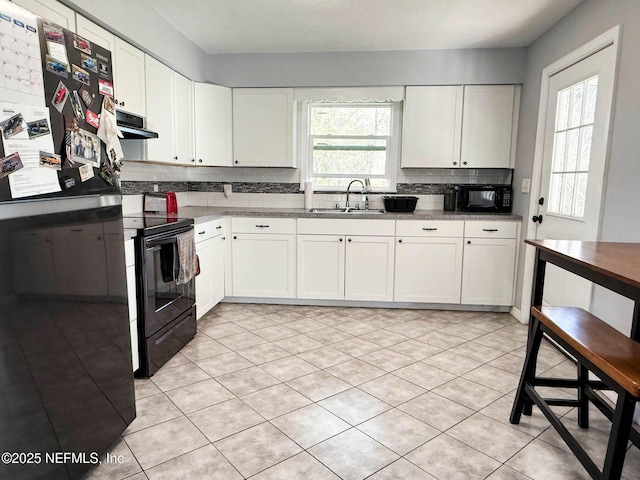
(204, 214)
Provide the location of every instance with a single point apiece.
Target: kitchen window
(343, 141)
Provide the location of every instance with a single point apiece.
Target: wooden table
(614, 266)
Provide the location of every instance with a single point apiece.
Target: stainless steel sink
(345, 211)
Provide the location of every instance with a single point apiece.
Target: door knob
(537, 219)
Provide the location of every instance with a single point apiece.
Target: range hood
(132, 126)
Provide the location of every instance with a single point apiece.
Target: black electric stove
(166, 308)
(153, 224)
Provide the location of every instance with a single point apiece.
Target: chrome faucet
(366, 188)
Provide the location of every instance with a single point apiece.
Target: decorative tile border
(136, 187)
(246, 187)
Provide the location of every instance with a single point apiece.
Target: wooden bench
(598, 348)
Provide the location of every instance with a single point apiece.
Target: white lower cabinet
(204, 281)
(428, 269)
(219, 245)
(369, 268)
(210, 249)
(320, 266)
(488, 271)
(263, 264)
(130, 264)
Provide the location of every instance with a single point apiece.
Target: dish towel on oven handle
(187, 255)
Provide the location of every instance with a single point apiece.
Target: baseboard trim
(517, 314)
(367, 304)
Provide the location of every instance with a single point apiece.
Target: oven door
(165, 343)
(165, 299)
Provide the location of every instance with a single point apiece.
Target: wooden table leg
(536, 300)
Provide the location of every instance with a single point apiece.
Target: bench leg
(617, 448)
(522, 403)
(583, 405)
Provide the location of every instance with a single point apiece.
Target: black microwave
(479, 198)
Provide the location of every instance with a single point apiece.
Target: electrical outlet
(155, 187)
(526, 185)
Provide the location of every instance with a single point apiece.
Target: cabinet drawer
(430, 228)
(206, 230)
(263, 225)
(330, 226)
(490, 229)
(129, 253)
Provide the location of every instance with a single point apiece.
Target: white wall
(419, 67)
(136, 22)
(621, 217)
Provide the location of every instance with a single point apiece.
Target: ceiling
(270, 26)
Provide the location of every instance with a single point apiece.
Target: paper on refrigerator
(20, 64)
(32, 179)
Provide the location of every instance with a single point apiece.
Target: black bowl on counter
(399, 203)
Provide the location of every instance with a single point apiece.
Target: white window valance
(350, 94)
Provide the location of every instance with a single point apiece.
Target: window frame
(305, 145)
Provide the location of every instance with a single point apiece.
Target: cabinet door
(218, 245)
(263, 127)
(159, 87)
(52, 10)
(487, 124)
(428, 270)
(488, 270)
(96, 34)
(432, 122)
(263, 265)
(213, 125)
(183, 120)
(204, 281)
(129, 78)
(135, 355)
(320, 266)
(369, 268)
(133, 315)
(228, 257)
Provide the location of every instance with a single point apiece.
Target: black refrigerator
(66, 381)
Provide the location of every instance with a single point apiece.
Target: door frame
(608, 38)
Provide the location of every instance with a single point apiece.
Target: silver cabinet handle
(201, 233)
(429, 229)
(489, 229)
(262, 226)
(218, 227)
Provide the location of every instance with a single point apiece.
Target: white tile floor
(288, 392)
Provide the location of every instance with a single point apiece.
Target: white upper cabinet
(95, 33)
(52, 10)
(452, 126)
(263, 127)
(159, 87)
(432, 126)
(213, 125)
(128, 66)
(129, 78)
(183, 119)
(169, 113)
(487, 126)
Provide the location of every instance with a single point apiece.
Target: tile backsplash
(133, 203)
(280, 187)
